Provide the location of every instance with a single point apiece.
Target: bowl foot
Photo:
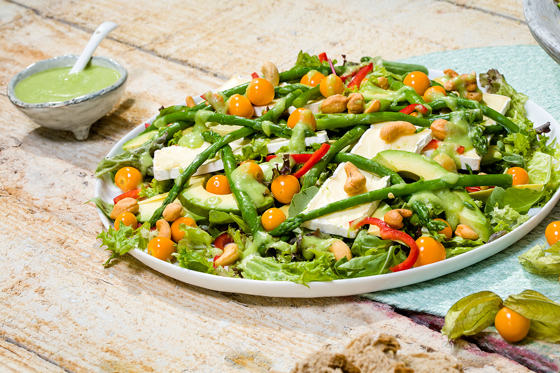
(82, 133)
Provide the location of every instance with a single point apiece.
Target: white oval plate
(105, 189)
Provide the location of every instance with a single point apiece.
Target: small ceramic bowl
(543, 19)
(75, 115)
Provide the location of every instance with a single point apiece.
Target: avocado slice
(483, 195)
(139, 140)
(147, 207)
(459, 208)
(492, 156)
(410, 165)
(198, 200)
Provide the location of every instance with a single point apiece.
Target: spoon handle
(96, 38)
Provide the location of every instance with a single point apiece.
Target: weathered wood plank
(237, 36)
(17, 359)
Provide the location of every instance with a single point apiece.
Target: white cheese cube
(467, 158)
(497, 102)
(332, 190)
(370, 144)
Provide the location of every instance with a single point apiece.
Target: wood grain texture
(60, 309)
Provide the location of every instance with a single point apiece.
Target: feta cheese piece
(332, 190)
(370, 144)
(469, 158)
(497, 102)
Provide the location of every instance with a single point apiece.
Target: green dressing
(312, 246)
(245, 182)
(56, 84)
(268, 167)
(297, 141)
(194, 138)
(449, 149)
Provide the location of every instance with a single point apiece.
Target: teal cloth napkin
(531, 71)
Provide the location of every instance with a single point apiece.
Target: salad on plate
(330, 171)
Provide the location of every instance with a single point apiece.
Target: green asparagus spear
(369, 166)
(245, 203)
(202, 157)
(350, 137)
(447, 182)
(332, 121)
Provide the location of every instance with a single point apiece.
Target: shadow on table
(62, 145)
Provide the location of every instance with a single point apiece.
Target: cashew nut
(393, 130)
(230, 255)
(270, 72)
(394, 218)
(355, 103)
(463, 79)
(164, 230)
(355, 180)
(466, 232)
(334, 104)
(471, 87)
(125, 205)
(340, 250)
(446, 162)
(451, 73)
(383, 82)
(439, 129)
(172, 212)
(373, 106)
(477, 96)
(190, 101)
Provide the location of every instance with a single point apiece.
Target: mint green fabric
(531, 71)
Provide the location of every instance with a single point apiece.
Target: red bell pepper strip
(472, 189)
(299, 158)
(433, 144)
(357, 80)
(315, 157)
(132, 194)
(222, 240)
(461, 149)
(146, 125)
(254, 75)
(388, 233)
(323, 57)
(410, 108)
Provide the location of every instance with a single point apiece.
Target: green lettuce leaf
(105, 207)
(139, 158)
(538, 262)
(496, 83)
(506, 219)
(119, 242)
(255, 267)
(195, 250)
(219, 217)
(301, 200)
(155, 187)
(458, 245)
(367, 244)
(543, 312)
(307, 60)
(313, 246)
(471, 314)
(257, 150)
(539, 168)
(363, 266)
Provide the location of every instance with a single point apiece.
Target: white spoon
(93, 43)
